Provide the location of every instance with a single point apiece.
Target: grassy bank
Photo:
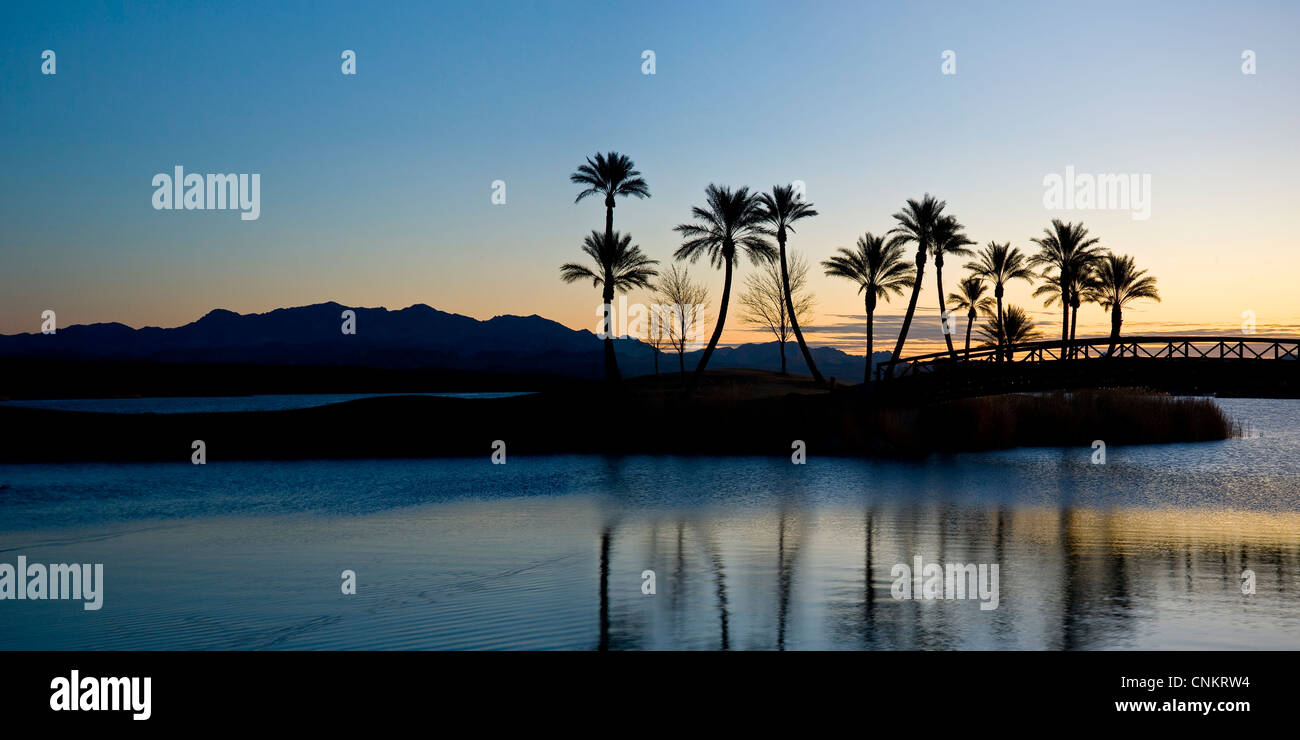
(740, 412)
(1117, 417)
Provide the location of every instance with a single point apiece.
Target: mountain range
(418, 336)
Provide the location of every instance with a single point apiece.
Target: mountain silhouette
(418, 336)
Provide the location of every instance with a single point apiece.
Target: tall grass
(1117, 417)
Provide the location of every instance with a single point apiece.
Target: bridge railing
(1246, 347)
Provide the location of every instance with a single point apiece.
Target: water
(209, 404)
(1145, 551)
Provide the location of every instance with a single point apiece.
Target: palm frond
(1000, 264)
(619, 262)
(609, 174)
(729, 220)
(1017, 327)
(1117, 280)
(876, 265)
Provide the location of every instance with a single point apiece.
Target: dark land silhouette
(730, 413)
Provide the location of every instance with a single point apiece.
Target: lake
(1146, 550)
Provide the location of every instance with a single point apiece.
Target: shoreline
(734, 413)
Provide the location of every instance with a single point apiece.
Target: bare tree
(657, 327)
(764, 304)
(679, 307)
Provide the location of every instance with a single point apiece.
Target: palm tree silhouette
(731, 219)
(781, 208)
(605, 544)
(1000, 264)
(948, 239)
(609, 175)
(1117, 281)
(620, 266)
(1066, 248)
(971, 296)
(916, 224)
(1013, 326)
(879, 269)
(1052, 292)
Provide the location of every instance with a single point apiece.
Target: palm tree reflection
(605, 538)
(785, 578)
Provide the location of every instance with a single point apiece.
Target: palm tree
(1117, 281)
(1052, 292)
(620, 266)
(1066, 248)
(948, 239)
(609, 175)
(1000, 264)
(1013, 327)
(731, 219)
(781, 208)
(879, 268)
(971, 296)
(916, 224)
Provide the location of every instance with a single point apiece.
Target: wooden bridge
(1193, 365)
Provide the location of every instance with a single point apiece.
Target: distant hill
(415, 337)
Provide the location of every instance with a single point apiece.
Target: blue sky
(376, 188)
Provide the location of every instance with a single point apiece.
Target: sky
(376, 188)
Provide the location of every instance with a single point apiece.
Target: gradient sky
(376, 188)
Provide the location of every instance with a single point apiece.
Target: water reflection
(1146, 551)
(1071, 579)
(604, 588)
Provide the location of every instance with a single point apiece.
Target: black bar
(926, 691)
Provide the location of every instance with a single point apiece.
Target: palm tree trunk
(1074, 322)
(970, 321)
(717, 330)
(1065, 316)
(1116, 318)
(782, 336)
(871, 310)
(911, 309)
(794, 320)
(611, 362)
(1002, 340)
(656, 351)
(943, 324)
